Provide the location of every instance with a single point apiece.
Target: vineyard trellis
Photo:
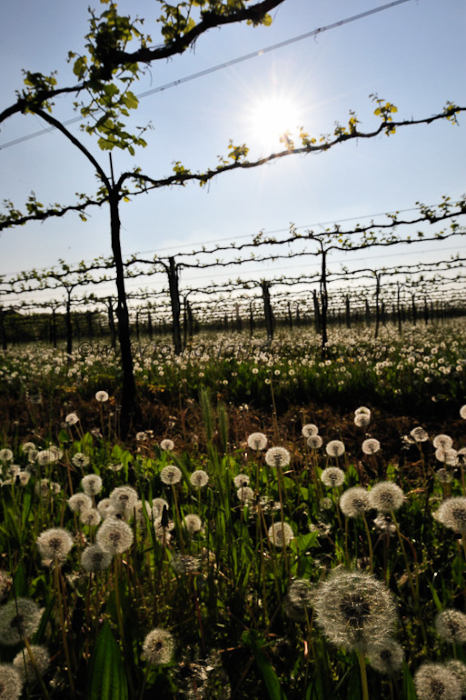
(105, 75)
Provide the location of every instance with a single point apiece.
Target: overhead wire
(221, 66)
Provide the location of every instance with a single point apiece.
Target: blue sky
(413, 55)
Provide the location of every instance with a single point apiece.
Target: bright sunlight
(274, 120)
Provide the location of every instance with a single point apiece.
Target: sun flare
(274, 120)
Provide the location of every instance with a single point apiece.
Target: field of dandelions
(285, 523)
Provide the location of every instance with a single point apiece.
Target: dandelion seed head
(370, 446)
(79, 502)
(94, 558)
(115, 467)
(452, 514)
(447, 456)
(91, 484)
(335, 448)
(101, 396)
(45, 457)
(451, 626)
(309, 430)
(55, 544)
(332, 477)
(363, 410)
(25, 667)
(170, 475)
(245, 494)
(280, 534)
(158, 647)
(167, 445)
(355, 502)
(298, 600)
(354, 610)
(123, 499)
(90, 517)
(386, 497)
(199, 479)
(361, 420)
(6, 455)
(277, 457)
(104, 507)
(193, 523)
(72, 419)
(443, 476)
(80, 460)
(314, 442)
(158, 504)
(19, 618)
(458, 669)
(385, 524)
(435, 682)
(463, 412)
(386, 657)
(10, 682)
(257, 441)
(241, 480)
(115, 536)
(28, 447)
(445, 442)
(326, 503)
(419, 434)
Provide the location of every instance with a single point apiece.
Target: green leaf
(271, 681)
(107, 679)
(408, 684)
(20, 584)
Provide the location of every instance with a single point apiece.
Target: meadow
(284, 522)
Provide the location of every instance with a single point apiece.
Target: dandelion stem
(369, 542)
(362, 667)
(56, 572)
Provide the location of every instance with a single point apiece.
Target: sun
(274, 120)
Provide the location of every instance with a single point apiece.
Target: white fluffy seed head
(199, 479)
(355, 502)
(335, 448)
(79, 502)
(54, 544)
(451, 626)
(170, 475)
(280, 534)
(94, 558)
(123, 499)
(10, 682)
(386, 657)
(115, 536)
(452, 514)
(354, 610)
(26, 667)
(370, 446)
(277, 457)
(309, 430)
(332, 477)
(443, 441)
(314, 442)
(158, 647)
(257, 441)
(19, 618)
(386, 497)
(436, 682)
(91, 484)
